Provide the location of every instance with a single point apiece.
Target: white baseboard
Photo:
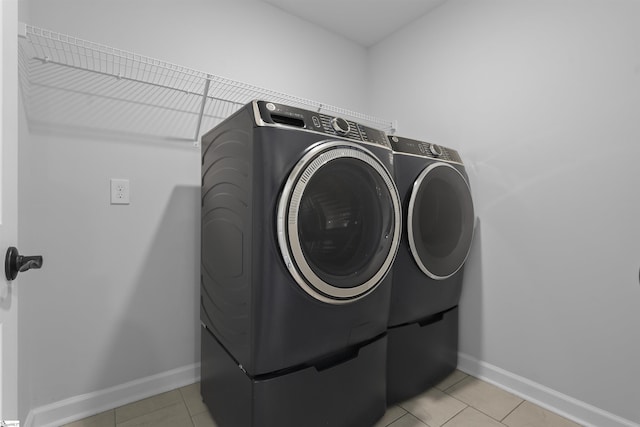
(78, 407)
(567, 406)
(85, 405)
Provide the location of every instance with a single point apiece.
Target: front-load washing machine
(428, 271)
(301, 223)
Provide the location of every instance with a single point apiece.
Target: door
(8, 206)
(339, 222)
(440, 220)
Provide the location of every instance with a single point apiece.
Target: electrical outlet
(119, 191)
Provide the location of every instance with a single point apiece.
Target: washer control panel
(284, 115)
(425, 149)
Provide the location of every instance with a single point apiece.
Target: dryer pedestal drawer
(350, 393)
(420, 356)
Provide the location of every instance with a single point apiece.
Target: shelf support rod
(207, 83)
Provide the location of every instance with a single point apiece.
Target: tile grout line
(456, 414)
(459, 382)
(466, 405)
(456, 383)
(419, 420)
(479, 410)
(396, 419)
(512, 411)
(184, 401)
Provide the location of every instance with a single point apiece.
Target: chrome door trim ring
(287, 228)
(410, 232)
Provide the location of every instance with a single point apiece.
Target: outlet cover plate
(119, 191)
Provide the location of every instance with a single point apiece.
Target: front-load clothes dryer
(428, 271)
(301, 223)
(438, 229)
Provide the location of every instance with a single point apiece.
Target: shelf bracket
(205, 92)
(22, 30)
(394, 127)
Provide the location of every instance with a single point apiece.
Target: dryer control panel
(424, 149)
(284, 115)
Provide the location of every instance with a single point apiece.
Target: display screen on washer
(339, 222)
(440, 221)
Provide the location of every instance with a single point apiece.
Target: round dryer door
(339, 222)
(440, 220)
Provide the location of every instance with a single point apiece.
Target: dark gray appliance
(428, 271)
(301, 223)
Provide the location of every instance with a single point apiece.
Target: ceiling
(365, 22)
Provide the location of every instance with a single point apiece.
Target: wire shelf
(72, 83)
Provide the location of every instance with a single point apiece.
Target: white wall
(118, 297)
(542, 100)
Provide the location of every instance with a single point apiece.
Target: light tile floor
(458, 401)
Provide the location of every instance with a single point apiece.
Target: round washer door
(339, 222)
(440, 220)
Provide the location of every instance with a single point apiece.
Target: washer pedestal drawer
(349, 393)
(421, 354)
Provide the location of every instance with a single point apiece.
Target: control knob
(341, 126)
(435, 149)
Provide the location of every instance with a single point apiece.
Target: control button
(316, 121)
(340, 125)
(436, 150)
(395, 138)
(271, 107)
